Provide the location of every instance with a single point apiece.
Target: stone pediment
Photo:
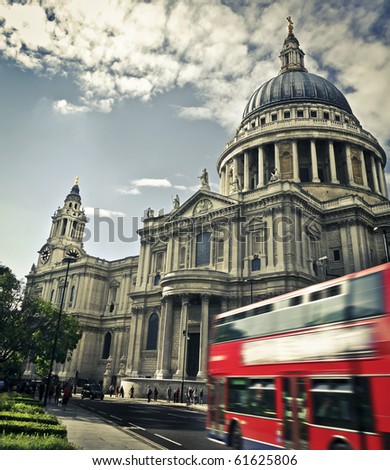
(201, 203)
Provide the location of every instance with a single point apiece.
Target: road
(173, 426)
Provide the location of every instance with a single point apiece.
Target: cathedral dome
(294, 87)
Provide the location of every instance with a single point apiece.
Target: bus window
(252, 396)
(367, 296)
(342, 403)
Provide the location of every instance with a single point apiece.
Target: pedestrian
(149, 393)
(155, 393)
(117, 391)
(67, 393)
(201, 396)
(111, 390)
(132, 392)
(41, 390)
(57, 395)
(169, 394)
(176, 395)
(195, 396)
(122, 392)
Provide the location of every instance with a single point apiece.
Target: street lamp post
(187, 337)
(251, 283)
(68, 260)
(381, 228)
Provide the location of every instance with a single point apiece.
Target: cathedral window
(287, 115)
(274, 117)
(326, 115)
(336, 255)
(72, 291)
(106, 346)
(313, 113)
(300, 113)
(182, 257)
(203, 249)
(64, 223)
(262, 121)
(151, 341)
(220, 249)
(337, 118)
(52, 295)
(159, 261)
(256, 264)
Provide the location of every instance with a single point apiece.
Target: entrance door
(294, 413)
(193, 355)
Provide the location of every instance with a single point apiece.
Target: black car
(92, 391)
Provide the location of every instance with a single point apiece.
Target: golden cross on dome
(290, 25)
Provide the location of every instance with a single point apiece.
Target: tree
(28, 324)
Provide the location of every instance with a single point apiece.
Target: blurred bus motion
(305, 370)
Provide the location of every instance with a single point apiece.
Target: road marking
(170, 440)
(134, 426)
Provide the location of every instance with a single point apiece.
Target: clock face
(72, 253)
(45, 254)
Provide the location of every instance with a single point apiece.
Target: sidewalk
(90, 432)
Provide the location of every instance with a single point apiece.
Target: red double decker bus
(305, 370)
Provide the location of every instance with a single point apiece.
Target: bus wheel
(235, 437)
(340, 445)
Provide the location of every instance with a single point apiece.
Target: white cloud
(117, 50)
(129, 192)
(63, 107)
(153, 182)
(97, 212)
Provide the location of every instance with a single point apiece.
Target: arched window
(151, 342)
(106, 346)
(203, 249)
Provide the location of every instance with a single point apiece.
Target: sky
(136, 98)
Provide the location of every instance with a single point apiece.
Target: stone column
(277, 158)
(381, 178)
(364, 170)
(182, 337)
(165, 339)
(246, 171)
(332, 164)
(295, 162)
(260, 166)
(374, 174)
(314, 161)
(204, 337)
(349, 165)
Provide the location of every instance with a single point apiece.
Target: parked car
(92, 391)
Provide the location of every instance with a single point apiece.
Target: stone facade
(302, 188)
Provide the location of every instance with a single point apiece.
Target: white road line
(170, 440)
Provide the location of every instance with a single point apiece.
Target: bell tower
(67, 230)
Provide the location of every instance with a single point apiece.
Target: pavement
(89, 431)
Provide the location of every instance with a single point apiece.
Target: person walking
(169, 394)
(122, 392)
(155, 393)
(149, 393)
(132, 392)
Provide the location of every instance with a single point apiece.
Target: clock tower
(67, 230)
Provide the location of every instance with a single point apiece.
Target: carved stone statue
(204, 180)
(176, 202)
(275, 175)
